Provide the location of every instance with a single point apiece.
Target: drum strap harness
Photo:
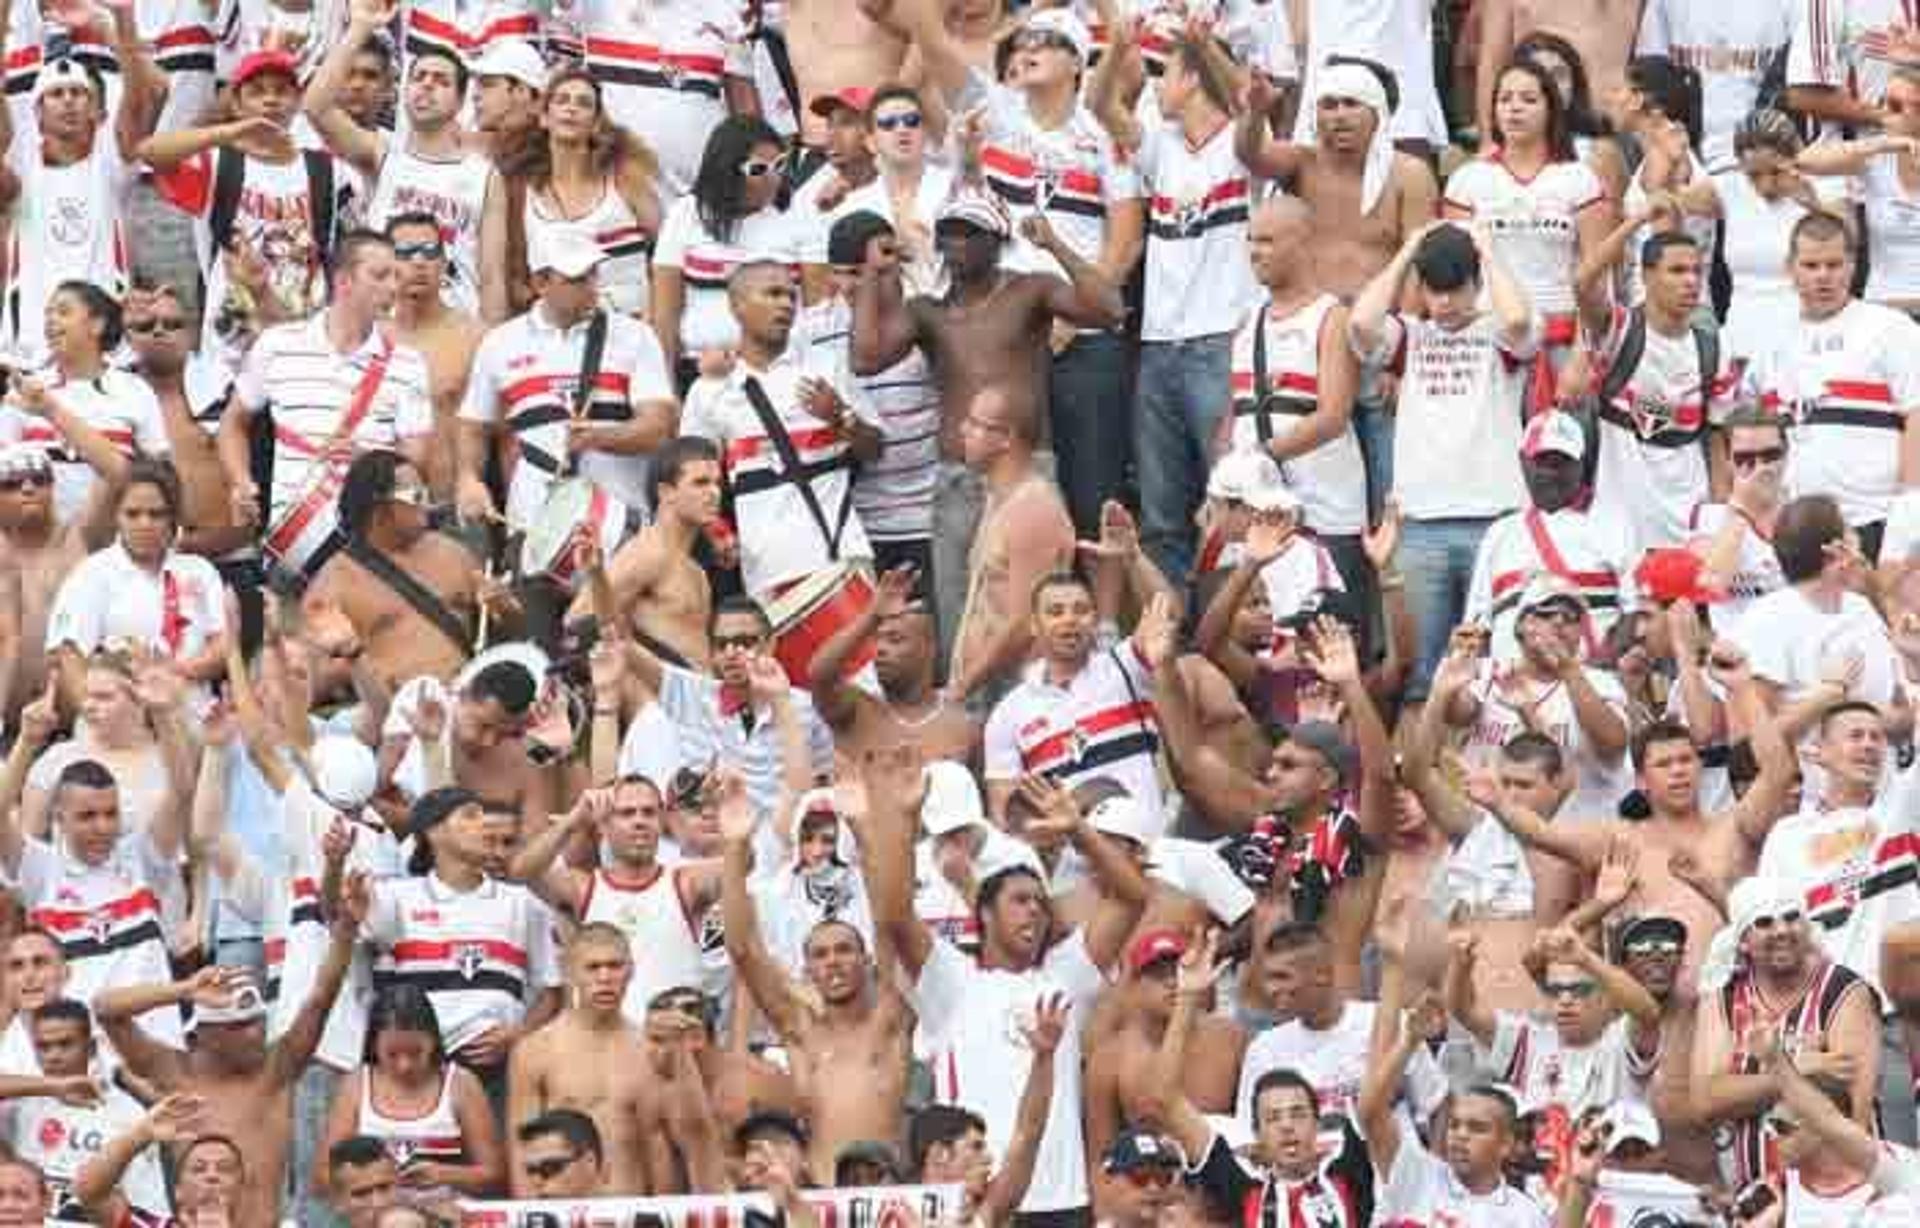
(425, 602)
(321, 491)
(800, 475)
(590, 357)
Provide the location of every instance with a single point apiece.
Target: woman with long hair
(1594, 139)
(1544, 210)
(581, 171)
(430, 1112)
(1658, 108)
(735, 214)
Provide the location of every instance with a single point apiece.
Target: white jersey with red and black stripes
(1591, 551)
(453, 191)
(663, 66)
(119, 405)
(1847, 383)
(434, 1136)
(1331, 480)
(627, 247)
(465, 29)
(1072, 174)
(1848, 45)
(1199, 283)
(1860, 871)
(1749, 1148)
(705, 262)
(664, 938)
(1100, 722)
(481, 956)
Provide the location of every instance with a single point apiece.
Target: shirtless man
(990, 329)
(484, 727)
(445, 336)
(36, 550)
(1357, 226)
(1024, 534)
(383, 508)
(583, 1060)
(651, 904)
(245, 1084)
(1725, 847)
(846, 1030)
(660, 592)
(834, 44)
(909, 707)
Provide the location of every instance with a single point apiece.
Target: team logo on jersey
(69, 220)
(1076, 744)
(713, 932)
(1651, 414)
(100, 925)
(469, 957)
(53, 1132)
(401, 1149)
(672, 73)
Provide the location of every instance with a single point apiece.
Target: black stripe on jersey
(1111, 751)
(89, 946)
(1233, 216)
(1838, 415)
(452, 981)
(652, 79)
(758, 480)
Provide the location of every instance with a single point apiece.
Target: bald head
(762, 296)
(993, 412)
(1277, 237)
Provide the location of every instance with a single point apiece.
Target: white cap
(23, 457)
(523, 653)
(63, 71)
(1277, 497)
(1121, 815)
(515, 59)
(1545, 588)
(565, 250)
(345, 774)
(952, 801)
(1064, 23)
(1630, 1120)
(1240, 471)
(1554, 431)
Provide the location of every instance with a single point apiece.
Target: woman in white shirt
(735, 214)
(1660, 107)
(1593, 137)
(1543, 209)
(578, 170)
(1888, 166)
(1761, 199)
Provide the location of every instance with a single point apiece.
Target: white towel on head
(1353, 81)
(1750, 899)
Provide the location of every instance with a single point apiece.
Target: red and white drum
(575, 509)
(814, 609)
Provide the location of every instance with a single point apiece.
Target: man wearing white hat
(508, 81)
(66, 187)
(1764, 970)
(1553, 535)
(583, 390)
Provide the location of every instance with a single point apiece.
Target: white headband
(1361, 85)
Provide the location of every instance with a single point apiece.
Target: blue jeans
(312, 1101)
(1182, 395)
(1436, 557)
(1373, 425)
(1087, 407)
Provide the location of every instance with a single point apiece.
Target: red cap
(1153, 946)
(1675, 573)
(855, 98)
(264, 61)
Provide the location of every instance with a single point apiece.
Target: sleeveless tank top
(611, 224)
(455, 193)
(666, 952)
(435, 1135)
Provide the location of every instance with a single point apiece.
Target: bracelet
(614, 712)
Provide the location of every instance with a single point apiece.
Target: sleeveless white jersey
(666, 951)
(67, 226)
(1765, 308)
(1533, 222)
(455, 193)
(624, 272)
(1331, 480)
(1893, 233)
(435, 1135)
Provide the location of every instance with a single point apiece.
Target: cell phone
(1754, 1200)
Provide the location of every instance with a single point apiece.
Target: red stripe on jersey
(1104, 721)
(748, 447)
(1233, 190)
(1006, 162)
(423, 950)
(1278, 381)
(1860, 390)
(127, 907)
(534, 385)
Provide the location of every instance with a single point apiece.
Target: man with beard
(846, 1029)
(650, 904)
(1765, 974)
(408, 590)
(909, 706)
(583, 1059)
(1554, 534)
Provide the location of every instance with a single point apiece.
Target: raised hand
(1199, 969)
(1158, 631)
(1842, 670)
(1267, 537)
(1425, 1019)
(427, 718)
(1332, 653)
(737, 817)
(356, 900)
(176, 1118)
(1619, 871)
(1482, 784)
(893, 591)
(1037, 230)
(606, 671)
(1456, 670)
(1382, 541)
(767, 680)
(1049, 1025)
(1727, 664)
(215, 986)
(893, 777)
(819, 400)
(40, 720)
(337, 842)
(1056, 815)
(159, 687)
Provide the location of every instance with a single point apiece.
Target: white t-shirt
(705, 264)
(1529, 1055)
(67, 226)
(972, 1019)
(119, 405)
(1757, 569)
(1396, 33)
(1421, 1189)
(1729, 45)
(1893, 232)
(176, 612)
(1335, 1061)
(1786, 636)
(1534, 223)
(1765, 309)
(1599, 783)
(1456, 436)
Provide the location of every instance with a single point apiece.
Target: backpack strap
(320, 200)
(1626, 359)
(229, 176)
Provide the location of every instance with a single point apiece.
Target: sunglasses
(1782, 1127)
(418, 251)
(411, 496)
(745, 643)
(1570, 989)
(1654, 946)
(157, 324)
(754, 168)
(1041, 40)
(1767, 923)
(1565, 615)
(1759, 456)
(909, 120)
(1150, 1177)
(20, 481)
(548, 1169)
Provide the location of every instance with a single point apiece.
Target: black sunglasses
(157, 324)
(906, 119)
(21, 481)
(548, 1169)
(418, 251)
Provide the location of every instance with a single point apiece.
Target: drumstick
(486, 612)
